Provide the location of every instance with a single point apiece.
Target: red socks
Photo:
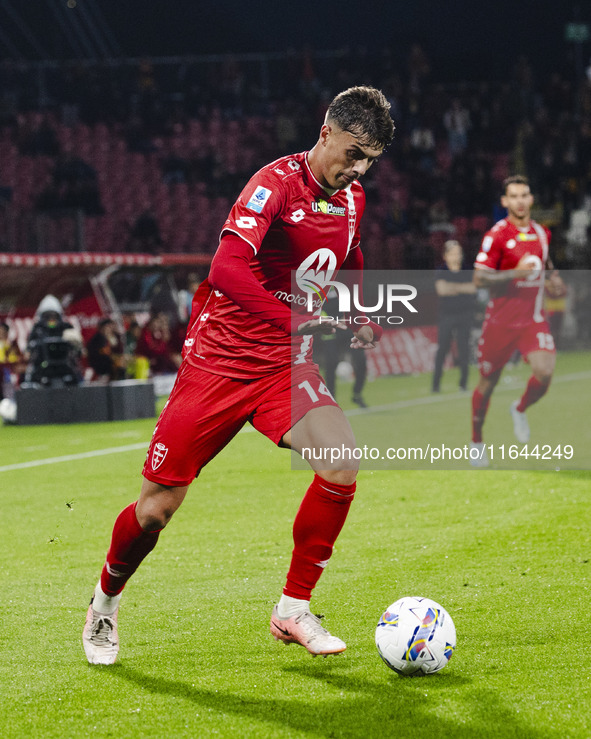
(130, 544)
(479, 409)
(533, 392)
(317, 525)
(318, 522)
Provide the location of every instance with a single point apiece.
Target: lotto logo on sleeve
(258, 199)
(487, 243)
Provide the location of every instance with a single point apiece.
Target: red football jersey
(502, 248)
(294, 226)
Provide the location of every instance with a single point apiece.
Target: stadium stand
(179, 138)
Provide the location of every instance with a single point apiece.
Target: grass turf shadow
(362, 708)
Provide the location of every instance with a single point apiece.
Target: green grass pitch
(506, 552)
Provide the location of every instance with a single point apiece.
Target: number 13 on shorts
(545, 341)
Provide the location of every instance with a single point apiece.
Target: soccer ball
(344, 371)
(415, 636)
(8, 410)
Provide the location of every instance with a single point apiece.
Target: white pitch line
(73, 457)
(430, 399)
(426, 400)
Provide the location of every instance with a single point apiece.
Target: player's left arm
(549, 263)
(552, 277)
(259, 204)
(368, 334)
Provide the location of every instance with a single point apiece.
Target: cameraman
(54, 347)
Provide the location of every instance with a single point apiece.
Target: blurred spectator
(138, 137)
(439, 218)
(333, 353)
(38, 140)
(457, 122)
(144, 236)
(175, 169)
(132, 335)
(157, 345)
(186, 296)
(49, 198)
(457, 303)
(232, 87)
(201, 164)
(459, 190)
(136, 368)
(164, 301)
(396, 221)
(422, 143)
(70, 169)
(418, 68)
(74, 186)
(555, 305)
(83, 195)
(481, 187)
(105, 352)
(12, 361)
(524, 87)
(286, 127)
(184, 109)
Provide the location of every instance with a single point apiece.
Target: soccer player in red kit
(247, 357)
(511, 264)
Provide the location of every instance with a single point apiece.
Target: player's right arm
(446, 289)
(487, 267)
(231, 275)
(259, 204)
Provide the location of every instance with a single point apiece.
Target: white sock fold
(289, 607)
(104, 604)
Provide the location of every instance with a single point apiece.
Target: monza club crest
(158, 455)
(316, 271)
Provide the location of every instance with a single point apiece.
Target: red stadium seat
(480, 224)
(436, 241)
(501, 167)
(462, 226)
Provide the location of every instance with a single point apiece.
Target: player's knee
(339, 477)
(544, 376)
(157, 504)
(153, 515)
(487, 387)
(154, 521)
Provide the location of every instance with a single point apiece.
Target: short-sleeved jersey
(294, 226)
(502, 248)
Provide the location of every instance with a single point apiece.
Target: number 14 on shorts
(313, 394)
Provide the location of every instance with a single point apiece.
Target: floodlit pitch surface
(507, 553)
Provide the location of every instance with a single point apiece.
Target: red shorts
(205, 411)
(498, 343)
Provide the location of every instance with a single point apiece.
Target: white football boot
(478, 458)
(305, 629)
(520, 424)
(100, 638)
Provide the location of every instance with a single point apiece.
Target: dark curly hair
(365, 113)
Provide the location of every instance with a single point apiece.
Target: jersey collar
(318, 189)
